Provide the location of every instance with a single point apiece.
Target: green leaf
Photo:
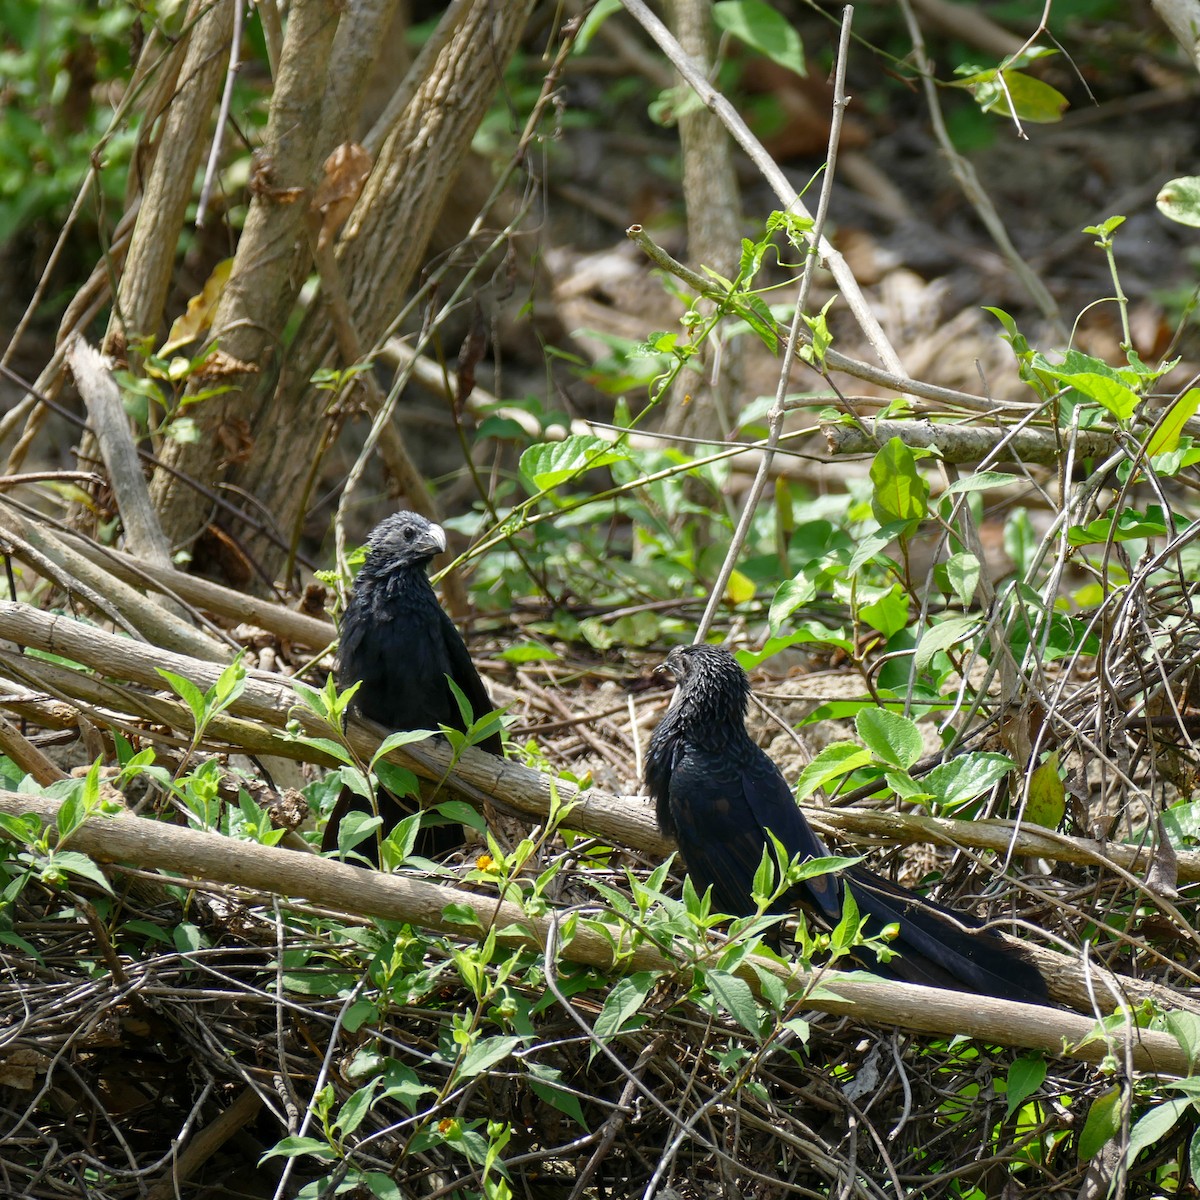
(836, 760)
(789, 596)
(1030, 98)
(1113, 395)
(548, 464)
(1025, 1076)
(1185, 1026)
(1047, 802)
(525, 652)
(962, 779)
(892, 738)
(1103, 1122)
(982, 480)
(1179, 200)
(560, 1098)
(404, 737)
(1155, 1125)
(1170, 428)
(293, 1147)
(942, 636)
(901, 492)
(81, 865)
(623, 1004)
(1129, 524)
(963, 571)
(762, 28)
(188, 692)
(354, 1111)
(888, 614)
(485, 1054)
(736, 998)
(381, 1185)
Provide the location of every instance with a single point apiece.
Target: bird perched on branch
(717, 794)
(399, 645)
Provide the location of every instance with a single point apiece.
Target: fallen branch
(965, 443)
(211, 858)
(257, 719)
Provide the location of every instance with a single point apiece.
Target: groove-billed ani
(717, 793)
(398, 643)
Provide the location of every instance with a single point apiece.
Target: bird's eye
(409, 533)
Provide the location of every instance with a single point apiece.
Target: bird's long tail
(944, 949)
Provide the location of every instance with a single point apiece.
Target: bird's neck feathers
(715, 704)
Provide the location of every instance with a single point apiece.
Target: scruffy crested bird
(717, 793)
(398, 643)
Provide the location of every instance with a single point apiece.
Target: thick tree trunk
(700, 404)
(378, 256)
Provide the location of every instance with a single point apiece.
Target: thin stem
(778, 410)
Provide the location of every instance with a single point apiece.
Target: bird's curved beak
(664, 671)
(431, 541)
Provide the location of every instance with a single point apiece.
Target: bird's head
(705, 668)
(405, 539)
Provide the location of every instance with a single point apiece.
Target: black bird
(717, 793)
(399, 645)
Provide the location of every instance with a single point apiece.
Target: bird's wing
(774, 808)
(462, 671)
(943, 948)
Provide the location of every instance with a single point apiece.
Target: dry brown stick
(109, 595)
(109, 423)
(213, 858)
(206, 1143)
(311, 632)
(27, 756)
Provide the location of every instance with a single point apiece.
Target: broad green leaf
(1155, 1125)
(1179, 200)
(1047, 802)
(736, 998)
(962, 779)
(624, 1002)
(1030, 98)
(1170, 428)
(548, 464)
(1025, 1076)
(404, 737)
(1103, 1122)
(981, 481)
(892, 738)
(888, 614)
(486, 1053)
(1130, 524)
(356, 1108)
(789, 596)
(81, 865)
(187, 691)
(963, 571)
(836, 760)
(1121, 401)
(900, 492)
(560, 1098)
(1185, 1026)
(525, 652)
(942, 636)
(293, 1147)
(381, 1185)
(762, 28)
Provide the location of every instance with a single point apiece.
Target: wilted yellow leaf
(200, 309)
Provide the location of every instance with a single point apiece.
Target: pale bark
(142, 292)
(379, 254)
(264, 283)
(700, 404)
